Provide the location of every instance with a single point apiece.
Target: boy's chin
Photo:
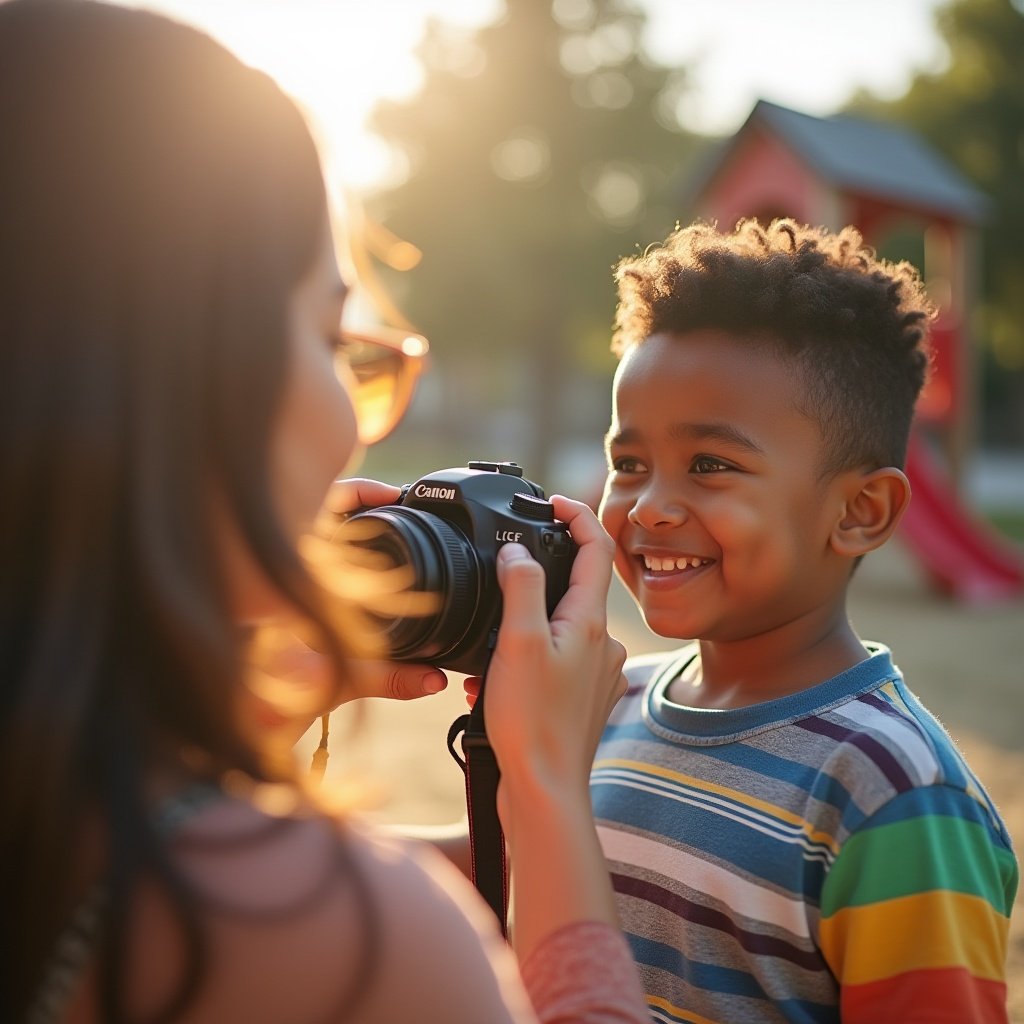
(661, 621)
(670, 630)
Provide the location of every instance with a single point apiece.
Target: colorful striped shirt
(821, 857)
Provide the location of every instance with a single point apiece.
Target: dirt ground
(965, 663)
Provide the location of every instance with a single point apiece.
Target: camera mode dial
(532, 507)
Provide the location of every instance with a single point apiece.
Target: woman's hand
(551, 685)
(550, 688)
(285, 695)
(307, 670)
(396, 680)
(351, 495)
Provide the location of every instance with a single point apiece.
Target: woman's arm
(549, 690)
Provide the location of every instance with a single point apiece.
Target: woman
(170, 421)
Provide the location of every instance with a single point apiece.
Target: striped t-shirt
(828, 855)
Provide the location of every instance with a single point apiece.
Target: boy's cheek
(625, 567)
(603, 507)
(612, 515)
(612, 510)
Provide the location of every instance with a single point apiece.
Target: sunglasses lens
(381, 378)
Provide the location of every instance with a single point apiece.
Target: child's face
(720, 522)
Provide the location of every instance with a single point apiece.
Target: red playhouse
(898, 192)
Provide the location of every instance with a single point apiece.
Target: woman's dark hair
(854, 325)
(159, 201)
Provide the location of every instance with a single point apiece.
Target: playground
(947, 594)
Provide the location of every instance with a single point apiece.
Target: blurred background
(493, 160)
(496, 160)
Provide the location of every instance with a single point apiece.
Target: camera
(445, 531)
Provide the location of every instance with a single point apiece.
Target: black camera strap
(486, 840)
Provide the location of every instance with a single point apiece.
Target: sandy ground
(965, 663)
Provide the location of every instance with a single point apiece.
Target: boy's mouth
(673, 564)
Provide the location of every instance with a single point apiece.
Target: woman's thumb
(522, 587)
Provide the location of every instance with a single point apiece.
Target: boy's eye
(708, 464)
(627, 464)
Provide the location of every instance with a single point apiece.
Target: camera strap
(486, 840)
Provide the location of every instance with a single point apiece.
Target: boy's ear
(874, 503)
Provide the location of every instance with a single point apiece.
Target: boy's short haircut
(855, 325)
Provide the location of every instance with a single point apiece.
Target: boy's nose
(653, 510)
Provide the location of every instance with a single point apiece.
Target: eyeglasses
(380, 366)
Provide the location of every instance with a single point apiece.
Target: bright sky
(340, 56)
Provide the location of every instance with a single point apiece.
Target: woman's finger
(522, 584)
(592, 570)
(471, 684)
(358, 492)
(398, 680)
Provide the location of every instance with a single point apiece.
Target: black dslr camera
(447, 528)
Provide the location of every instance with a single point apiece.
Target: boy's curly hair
(855, 325)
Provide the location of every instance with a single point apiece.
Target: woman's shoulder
(442, 957)
(251, 856)
(313, 917)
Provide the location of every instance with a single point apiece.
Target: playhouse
(901, 194)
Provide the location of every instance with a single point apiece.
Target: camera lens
(442, 563)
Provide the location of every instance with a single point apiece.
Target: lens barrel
(443, 563)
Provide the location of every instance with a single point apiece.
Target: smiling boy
(792, 836)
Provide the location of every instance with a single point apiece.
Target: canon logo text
(440, 493)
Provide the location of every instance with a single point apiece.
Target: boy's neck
(734, 674)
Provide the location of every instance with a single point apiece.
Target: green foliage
(1009, 523)
(973, 111)
(539, 152)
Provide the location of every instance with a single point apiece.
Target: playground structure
(895, 189)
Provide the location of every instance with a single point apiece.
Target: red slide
(962, 555)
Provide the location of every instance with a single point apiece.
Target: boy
(792, 836)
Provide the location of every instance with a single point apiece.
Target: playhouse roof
(868, 157)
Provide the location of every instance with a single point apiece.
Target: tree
(973, 111)
(539, 151)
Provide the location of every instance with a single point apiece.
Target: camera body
(447, 528)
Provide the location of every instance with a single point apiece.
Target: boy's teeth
(668, 564)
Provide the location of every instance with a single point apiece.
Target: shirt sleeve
(584, 974)
(915, 912)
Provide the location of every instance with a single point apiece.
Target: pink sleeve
(584, 974)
